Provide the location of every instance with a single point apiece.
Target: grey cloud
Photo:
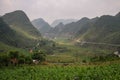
(55, 9)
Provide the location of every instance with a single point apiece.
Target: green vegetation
(104, 58)
(103, 72)
(69, 53)
(25, 55)
(40, 56)
(16, 58)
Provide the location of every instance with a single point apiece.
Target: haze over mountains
(64, 21)
(99, 29)
(44, 27)
(17, 30)
(41, 25)
(69, 30)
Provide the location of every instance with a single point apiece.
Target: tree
(25, 59)
(40, 56)
(28, 60)
(14, 55)
(21, 59)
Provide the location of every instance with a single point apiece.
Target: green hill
(10, 37)
(16, 30)
(10, 40)
(19, 22)
(106, 29)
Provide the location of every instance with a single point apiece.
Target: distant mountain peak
(118, 14)
(64, 21)
(60, 23)
(85, 18)
(41, 25)
(39, 19)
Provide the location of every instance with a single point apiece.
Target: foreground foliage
(16, 58)
(103, 72)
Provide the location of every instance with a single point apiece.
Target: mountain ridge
(106, 29)
(64, 21)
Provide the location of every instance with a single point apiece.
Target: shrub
(4, 60)
(13, 54)
(40, 56)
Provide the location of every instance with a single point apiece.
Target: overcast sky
(61, 9)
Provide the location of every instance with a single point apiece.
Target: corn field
(106, 72)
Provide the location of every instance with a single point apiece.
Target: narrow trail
(84, 42)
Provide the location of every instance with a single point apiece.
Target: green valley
(87, 49)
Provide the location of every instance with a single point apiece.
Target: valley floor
(75, 54)
(70, 63)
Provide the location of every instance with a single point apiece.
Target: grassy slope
(23, 33)
(8, 48)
